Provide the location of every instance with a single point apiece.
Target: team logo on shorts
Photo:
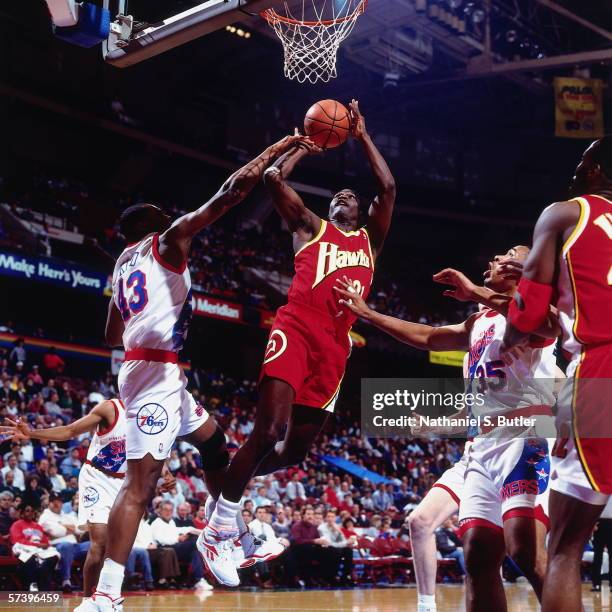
(90, 497)
(152, 419)
(199, 410)
(277, 344)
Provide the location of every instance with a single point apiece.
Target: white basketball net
(311, 39)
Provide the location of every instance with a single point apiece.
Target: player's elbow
(388, 186)
(233, 192)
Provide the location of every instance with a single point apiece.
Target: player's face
(586, 172)
(159, 220)
(344, 208)
(493, 277)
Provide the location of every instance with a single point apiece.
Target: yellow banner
(449, 358)
(578, 108)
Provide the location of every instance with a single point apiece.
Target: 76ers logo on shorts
(152, 419)
(90, 497)
(277, 344)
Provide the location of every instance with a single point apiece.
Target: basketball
(328, 123)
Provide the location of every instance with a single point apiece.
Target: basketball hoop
(311, 42)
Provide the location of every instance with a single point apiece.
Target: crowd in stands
(221, 254)
(328, 518)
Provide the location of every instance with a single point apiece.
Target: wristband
(529, 306)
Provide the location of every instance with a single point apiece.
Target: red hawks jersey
(585, 278)
(329, 256)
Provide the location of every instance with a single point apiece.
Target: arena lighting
(478, 16)
(511, 36)
(238, 31)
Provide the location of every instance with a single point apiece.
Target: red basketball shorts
(582, 463)
(307, 349)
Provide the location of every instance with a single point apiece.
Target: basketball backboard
(140, 32)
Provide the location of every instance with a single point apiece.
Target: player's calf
(484, 551)
(525, 544)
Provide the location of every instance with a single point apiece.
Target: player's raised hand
(358, 126)
(511, 269)
(463, 287)
(350, 298)
(286, 143)
(15, 430)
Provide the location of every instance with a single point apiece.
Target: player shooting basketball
(309, 343)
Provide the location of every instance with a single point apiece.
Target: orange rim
(271, 16)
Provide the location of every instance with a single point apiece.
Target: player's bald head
(139, 220)
(594, 172)
(521, 251)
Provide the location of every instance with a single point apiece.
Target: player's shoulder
(563, 208)
(561, 214)
(105, 408)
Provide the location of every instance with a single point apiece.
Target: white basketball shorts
(97, 494)
(505, 478)
(158, 407)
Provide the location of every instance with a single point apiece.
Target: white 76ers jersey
(153, 297)
(527, 381)
(107, 449)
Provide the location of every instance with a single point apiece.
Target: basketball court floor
(450, 598)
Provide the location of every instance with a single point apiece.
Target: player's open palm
(16, 430)
(511, 269)
(350, 297)
(462, 286)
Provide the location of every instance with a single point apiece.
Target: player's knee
(96, 552)
(526, 559)
(420, 524)
(270, 434)
(213, 452)
(139, 491)
(292, 454)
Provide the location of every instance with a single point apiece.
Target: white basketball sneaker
(100, 602)
(216, 546)
(256, 550)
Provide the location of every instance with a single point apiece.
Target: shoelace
(225, 548)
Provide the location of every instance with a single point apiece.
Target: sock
(111, 578)
(209, 507)
(426, 603)
(225, 512)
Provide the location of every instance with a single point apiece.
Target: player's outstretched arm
(174, 243)
(381, 209)
(541, 268)
(424, 337)
(302, 222)
(113, 332)
(464, 290)
(104, 413)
